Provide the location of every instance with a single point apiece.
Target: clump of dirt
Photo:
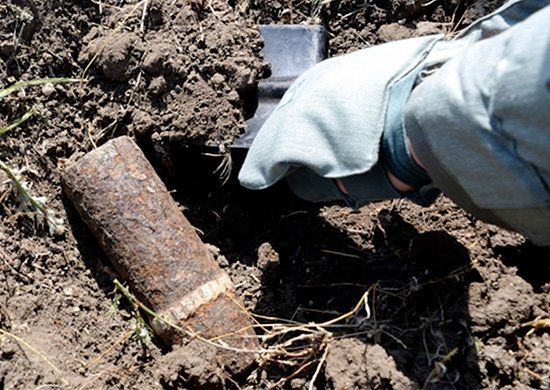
(352, 364)
(450, 302)
(177, 64)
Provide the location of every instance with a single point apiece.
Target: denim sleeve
(481, 126)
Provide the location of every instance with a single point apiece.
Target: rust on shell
(155, 249)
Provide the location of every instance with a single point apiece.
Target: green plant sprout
(24, 84)
(25, 117)
(139, 327)
(21, 189)
(34, 203)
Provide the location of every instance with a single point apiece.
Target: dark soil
(449, 296)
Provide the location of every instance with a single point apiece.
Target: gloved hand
(329, 124)
(331, 121)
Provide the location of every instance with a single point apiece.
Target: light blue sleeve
(481, 125)
(332, 117)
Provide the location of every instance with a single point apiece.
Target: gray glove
(331, 121)
(332, 118)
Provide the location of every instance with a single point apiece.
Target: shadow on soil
(529, 261)
(419, 281)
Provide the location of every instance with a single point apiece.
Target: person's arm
(481, 127)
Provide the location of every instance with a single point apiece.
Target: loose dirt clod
(352, 364)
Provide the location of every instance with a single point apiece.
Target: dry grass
(286, 343)
(28, 201)
(43, 357)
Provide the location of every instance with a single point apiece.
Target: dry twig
(38, 353)
(286, 343)
(537, 323)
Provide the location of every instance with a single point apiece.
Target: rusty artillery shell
(155, 249)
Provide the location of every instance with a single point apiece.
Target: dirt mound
(393, 296)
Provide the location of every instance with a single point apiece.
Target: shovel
(291, 50)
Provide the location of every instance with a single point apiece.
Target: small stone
(68, 291)
(217, 79)
(48, 89)
(158, 85)
(233, 96)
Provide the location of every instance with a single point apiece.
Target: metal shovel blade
(291, 50)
